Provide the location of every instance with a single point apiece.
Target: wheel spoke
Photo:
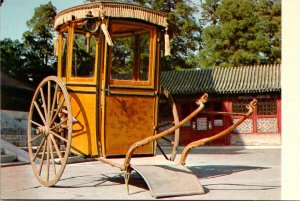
(59, 124)
(42, 158)
(49, 99)
(44, 103)
(52, 157)
(57, 111)
(56, 147)
(57, 135)
(35, 123)
(38, 150)
(36, 137)
(39, 111)
(53, 101)
(48, 159)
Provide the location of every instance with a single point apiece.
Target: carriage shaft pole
(147, 140)
(201, 142)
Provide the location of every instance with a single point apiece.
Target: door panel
(128, 119)
(84, 140)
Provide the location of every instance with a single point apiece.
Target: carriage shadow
(91, 180)
(213, 171)
(203, 172)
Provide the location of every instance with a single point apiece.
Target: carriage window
(83, 53)
(122, 58)
(144, 56)
(64, 57)
(130, 55)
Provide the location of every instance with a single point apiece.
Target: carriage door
(130, 100)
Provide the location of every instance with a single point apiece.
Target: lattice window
(239, 106)
(266, 107)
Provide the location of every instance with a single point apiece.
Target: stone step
(15, 163)
(16, 143)
(14, 137)
(11, 149)
(13, 131)
(6, 158)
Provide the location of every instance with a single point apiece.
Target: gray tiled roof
(223, 80)
(8, 81)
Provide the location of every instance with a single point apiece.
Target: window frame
(152, 58)
(267, 101)
(72, 79)
(60, 53)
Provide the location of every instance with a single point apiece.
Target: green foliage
(184, 30)
(244, 32)
(21, 63)
(42, 20)
(39, 40)
(33, 59)
(11, 59)
(230, 33)
(186, 35)
(209, 8)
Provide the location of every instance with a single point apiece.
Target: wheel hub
(43, 130)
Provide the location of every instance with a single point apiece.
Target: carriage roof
(111, 9)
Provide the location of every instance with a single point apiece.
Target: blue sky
(15, 13)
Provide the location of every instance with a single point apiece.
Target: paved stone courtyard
(233, 174)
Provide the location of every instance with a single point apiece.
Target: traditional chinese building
(229, 89)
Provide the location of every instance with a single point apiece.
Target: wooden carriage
(104, 101)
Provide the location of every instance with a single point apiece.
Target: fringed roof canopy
(111, 9)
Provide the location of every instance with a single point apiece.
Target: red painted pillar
(227, 107)
(254, 121)
(279, 114)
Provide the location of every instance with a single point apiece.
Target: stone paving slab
(227, 175)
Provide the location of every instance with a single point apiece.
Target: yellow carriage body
(108, 58)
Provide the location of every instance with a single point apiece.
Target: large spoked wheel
(167, 108)
(49, 130)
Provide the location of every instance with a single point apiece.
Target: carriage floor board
(169, 180)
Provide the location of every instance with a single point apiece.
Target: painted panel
(84, 139)
(202, 123)
(128, 120)
(245, 127)
(218, 122)
(267, 125)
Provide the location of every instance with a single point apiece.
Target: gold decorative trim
(111, 9)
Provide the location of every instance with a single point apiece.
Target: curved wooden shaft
(201, 142)
(147, 140)
(224, 113)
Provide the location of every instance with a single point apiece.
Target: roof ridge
(220, 67)
(239, 79)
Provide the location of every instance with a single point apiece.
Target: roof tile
(223, 80)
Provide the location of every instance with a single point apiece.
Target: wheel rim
(173, 138)
(49, 130)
